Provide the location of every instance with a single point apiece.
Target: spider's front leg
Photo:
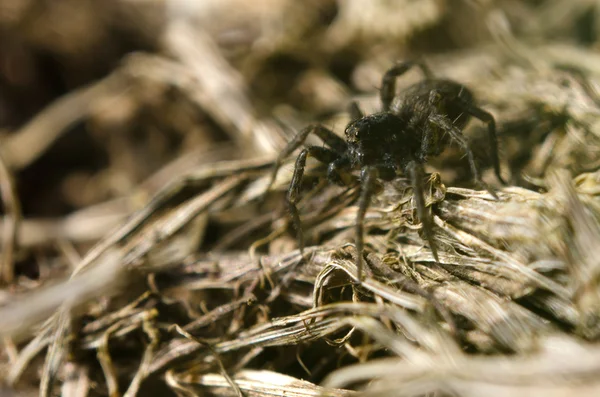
(322, 154)
(330, 138)
(354, 111)
(368, 179)
(416, 174)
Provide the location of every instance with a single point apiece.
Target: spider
(394, 141)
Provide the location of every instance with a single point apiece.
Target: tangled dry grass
(141, 254)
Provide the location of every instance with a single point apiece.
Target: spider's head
(372, 139)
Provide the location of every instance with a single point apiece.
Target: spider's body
(389, 140)
(399, 140)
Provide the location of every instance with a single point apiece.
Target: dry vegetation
(141, 255)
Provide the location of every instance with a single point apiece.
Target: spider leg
(368, 177)
(330, 138)
(444, 123)
(322, 154)
(416, 173)
(491, 123)
(428, 133)
(388, 82)
(337, 172)
(355, 112)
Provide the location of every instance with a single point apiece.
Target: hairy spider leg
(487, 118)
(388, 82)
(416, 173)
(337, 172)
(368, 178)
(444, 123)
(354, 111)
(330, 138)
(323, 155)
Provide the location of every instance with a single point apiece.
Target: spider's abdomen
(435, 96)
(443, 96)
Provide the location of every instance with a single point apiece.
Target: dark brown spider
(431, 115)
